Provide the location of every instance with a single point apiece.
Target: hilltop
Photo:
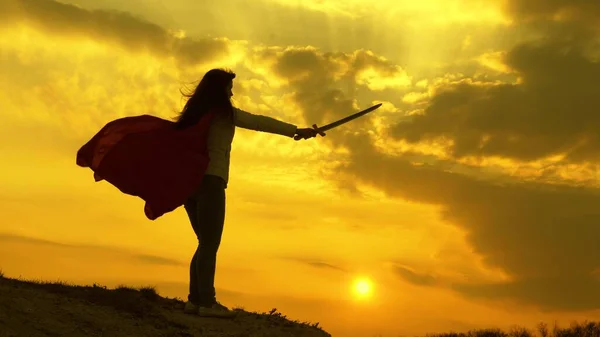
(34, 308)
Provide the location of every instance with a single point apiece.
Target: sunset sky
(470, 199)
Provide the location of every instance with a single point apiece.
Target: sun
(363, 287)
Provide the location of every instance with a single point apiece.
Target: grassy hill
(32, 309)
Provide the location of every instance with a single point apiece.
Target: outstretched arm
(246, 120)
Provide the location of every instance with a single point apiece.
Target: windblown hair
(209, 95)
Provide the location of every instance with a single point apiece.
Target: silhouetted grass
(585, 329)
(278, 318)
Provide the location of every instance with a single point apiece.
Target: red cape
(145, 156)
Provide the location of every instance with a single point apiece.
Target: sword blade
(347, 119)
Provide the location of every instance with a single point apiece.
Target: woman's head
(213, 92)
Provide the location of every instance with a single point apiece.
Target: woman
(168, 164)
(206, 207)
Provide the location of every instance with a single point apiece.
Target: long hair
(210, 94)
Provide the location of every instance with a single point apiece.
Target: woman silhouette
(206, 207)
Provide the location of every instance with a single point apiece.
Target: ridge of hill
(36, 308)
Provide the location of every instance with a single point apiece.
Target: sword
(321, 130)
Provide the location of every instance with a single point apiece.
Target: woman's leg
(190, 208)
(209, 203)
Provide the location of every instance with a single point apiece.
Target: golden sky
(469, 199)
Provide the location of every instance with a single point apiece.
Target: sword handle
(314, 127)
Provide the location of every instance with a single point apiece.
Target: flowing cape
(145, 156)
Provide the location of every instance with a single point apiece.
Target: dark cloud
(318, 264)
(420, 279)
(538, 234)
(570, 292)
(7, 237)
(153, 259)
(322, 83)
(121, 28)
(553, 110)
(574, 10)
(265, 21)
(393, 34)
(315, 263)
(144, 258)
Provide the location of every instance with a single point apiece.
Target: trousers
(206, 212)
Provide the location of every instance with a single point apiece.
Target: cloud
(120, 28)
(535, 233)
(416, 278)
(318, 264)
(324, 85)
(158, 260)
(24, 239)
(554, 9)
(550, 111)
(570, 292)
(78, 249)
(315, 263)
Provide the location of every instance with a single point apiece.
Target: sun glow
(363, 287)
